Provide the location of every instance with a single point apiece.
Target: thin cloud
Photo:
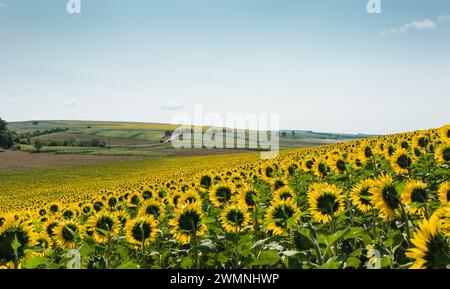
(3, 5)
(443, 18)
(72, 103)
(425, 24)
(172, 106)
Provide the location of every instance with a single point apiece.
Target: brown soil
(16, 160)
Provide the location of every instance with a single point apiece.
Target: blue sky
(323, 65)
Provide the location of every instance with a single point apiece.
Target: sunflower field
(374, 203)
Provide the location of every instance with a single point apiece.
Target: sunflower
(365, 151)
(401, 161)
(190, 196)
(15, 238)
(416, 196)
(284, 193)
(431, 247)
(385, 196)
(104, 225)
(49, 227)
(69, 213)
(325, 200)
(445, 133)
(221, 193)
(152, 207)
(54, 207)
(337, 164)
(235, 218)
(281, 215)
(141, 231)
(360, 195)
(444, 193)
(134, 200)
(320, 168)
(205, 180)
(247, 196)
(187, 222)
(308, 165)
(174, 197)
(67, 234)
(442, 153)
(87, 209)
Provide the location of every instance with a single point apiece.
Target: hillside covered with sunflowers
(375, 203)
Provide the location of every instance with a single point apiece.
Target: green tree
(37, 144)
(7, 137)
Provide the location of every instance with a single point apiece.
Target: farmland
(375, 203)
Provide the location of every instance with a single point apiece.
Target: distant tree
(7, 137)
(293, 133)
(168, 133)
(37, 144)
(35, 122)
(283, 134)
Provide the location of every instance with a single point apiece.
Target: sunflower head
(431, 246)
(104, 226)
(221, 193)
(187, 222)
(444, 193)
(15, 238)
(235, 218)
(360, 195)
(325, 200)
(415, 195)
(442, 153)
(385, 197)
(445, 133)
(141, 231)
(401, 161)
(67, 234)
(281, 215)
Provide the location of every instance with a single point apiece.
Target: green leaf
(128, 265)
(267, 258)
(186, 263)
(352, 262)
(34, 263)
(332, 263)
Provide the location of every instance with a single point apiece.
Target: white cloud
(72, 103)
(443, 18)
(171, 106)
(3, 5)
(426, 24)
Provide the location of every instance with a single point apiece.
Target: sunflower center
(419, 195)
(327, 204)
(340, 164)
(368, 152)
(405, 145)
(322, 168)
(250, 198)
(223, 194)
(141, 231)
(189, 221)
(446, 154)
(235, 217)
(309, 164)
(112, 202)
(54, 208)
(147, 195)
(364, 196)
(283, 213)
(423, 142)
(68, 214)
(50, 228)
(152, 210)
(205, 181)
(68, 232)
(404, 161)
(7, 238)
(135, 200)
(390, 197)
(285, 195)
(175, 200)
(437, 256)
(448, 199)
(278, 184)
(98, 206)
(269, 172)
(105, 224)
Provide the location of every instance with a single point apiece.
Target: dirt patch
(16, 160)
